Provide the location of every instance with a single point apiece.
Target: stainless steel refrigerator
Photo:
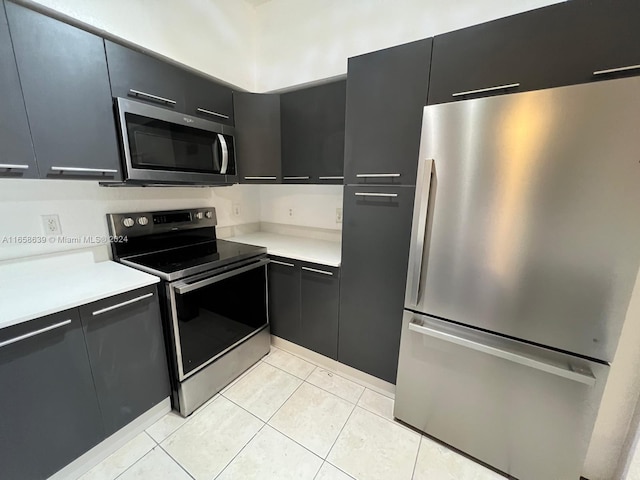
(524, 253)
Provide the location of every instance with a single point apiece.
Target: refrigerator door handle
(419, 229)
(584, 376)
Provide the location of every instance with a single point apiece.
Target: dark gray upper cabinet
(63, 72)
(375, 252)
(284, 298)
(137, 75)
(17, 159)
(320, 293)
(258, 140)
(562, 44)
(127, 353)
(50, 411)
(208, 99)
(386, 92)
(313, 123)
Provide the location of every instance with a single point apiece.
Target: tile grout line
(177, 462)
(415, 463)
(241, 450)
(340, 433)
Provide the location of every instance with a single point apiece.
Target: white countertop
(311, 250)
(34, 288)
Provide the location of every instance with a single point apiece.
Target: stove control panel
(147, 223)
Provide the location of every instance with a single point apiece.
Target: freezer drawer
(525, 410)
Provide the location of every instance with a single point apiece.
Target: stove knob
(143, 221)
(128, 222)
(209, 214)
(199, 215)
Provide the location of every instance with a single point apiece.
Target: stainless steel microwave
(160, 146)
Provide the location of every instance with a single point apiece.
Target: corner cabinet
(71, 379)
(303, 304)
(63, 72)
(50, 409)
(17, 159)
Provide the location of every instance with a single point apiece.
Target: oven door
(213, 312)
(164, 146)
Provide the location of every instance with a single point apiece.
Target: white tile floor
(283, 419)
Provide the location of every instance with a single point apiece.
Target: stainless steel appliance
(525, 250)
(214, 296)
(160, 146)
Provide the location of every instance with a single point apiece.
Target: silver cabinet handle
(332, 178)
(296, 178)
(488, 89)
(419, 228)
(587, 378)
(314, 270)
(372, 194)
(123, 304)
(616, 70)
(260, 178)
(377, 175)
(225, 154)
(83, 170)
(138, 93)
(34, 333)
(185, 287)
(209, 112)
(277, 262)
(13, 166)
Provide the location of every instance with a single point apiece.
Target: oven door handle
(186, 287)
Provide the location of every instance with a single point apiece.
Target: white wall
(82, 207)
(216, 37)
(302, 41)
(311, 205)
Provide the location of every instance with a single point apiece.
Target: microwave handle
(225, 154)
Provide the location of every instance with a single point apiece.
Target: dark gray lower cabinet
(127, 353)
(319, 303)
(375, 251)
(303, 304)
(284, 298)
(50, 413)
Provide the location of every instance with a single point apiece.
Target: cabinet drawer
(51, 414)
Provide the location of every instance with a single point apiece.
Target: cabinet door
(127, 353)
(375, 251)
(64, 78)
(284, 298)
(313, 122)
(386, 92)
(320, 293)
(142, 77)
(50, 411)
(17, 159)
(258, 147)
(208, 99)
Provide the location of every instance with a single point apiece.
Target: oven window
(215, 317)
(159, 145)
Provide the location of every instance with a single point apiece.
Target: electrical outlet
(291, 213)
(236, 210)
(51, 225)
(338, 215)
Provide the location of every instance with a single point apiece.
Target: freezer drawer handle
(324, 272)
(209, 112)
(277, 262)
(377, 175)
(373, 194)
(488, 89)
(34, 333)
(13, 166)
(419, 229)
(185, 287)
(586, 378)
(616, 70)
(138, 93)
(123, 304)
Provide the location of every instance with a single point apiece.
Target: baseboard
(97, 454)
(350, 373)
